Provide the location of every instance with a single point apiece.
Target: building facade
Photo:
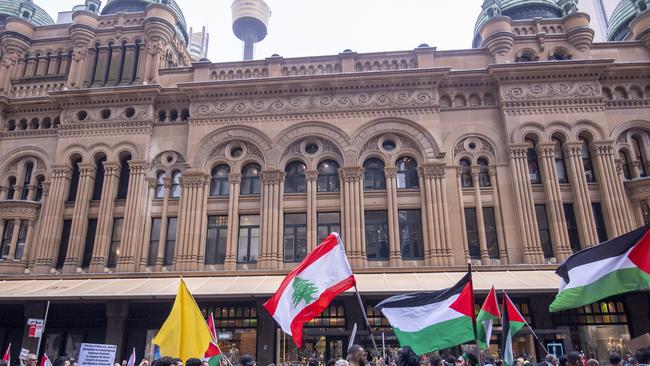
(124, 164)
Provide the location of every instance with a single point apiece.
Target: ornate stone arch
(11, 158)
(617, 131)
(590, 127)
(320, 130)
(558, 127)
(297, 149)
(474, 146)
(218, 138)
(168, 162)
(520, 132)
(126, 146)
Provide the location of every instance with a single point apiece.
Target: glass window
(586, 161)
(645, 210)
(116, 239)
(89, 244)
(625, 164)
(328, 222)
(484, 174)
(63, 245)
(170, 241)
(12, 188)
(239, 322)
(249, 238)
(295, 180)
(74, 181)
(29, 168)
(328, 176)
(465, 173)
(407, 173)
(544, 231)
(6, 238)
(219, 185)
(410, 234)
(638, 146)
(123, 185)
(217, 238)
(373, 176)
(22, 237)
(332, 317)
(533, 165)
(39, 189)
(491, 237)
(471, 228)
(377, 235)
(154, 241)
(295, 237)
(572, 227)
(250, 181)
(601, 230)
(160, 185)
(560, 167)
(176, 184)
(98, 185)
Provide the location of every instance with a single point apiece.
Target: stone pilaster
(115, 66)
(480, 221)
(395, 258)
(353, 215)
(230, 262)
(105, 217)
(29, 238)
(14, 240)
(461, 208)
(312, 226)
(435, 217)
(188, 254)
(271, 250)
(129, 64)
(523, 192)
(134, 217)
(102, 67)
(162, 237)
(42, 64)
(86, 70)
(581, 199)
(494, 182)
(80, 218)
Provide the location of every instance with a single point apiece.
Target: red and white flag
(7, 356)
(45, 361)
(132, 358)
(311, 286)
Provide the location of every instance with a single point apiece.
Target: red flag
(45, 361)
(213, 353)
(7, 356)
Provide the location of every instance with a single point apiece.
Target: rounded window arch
(626, 164)
(407, 173)
(27, 179)
(98, 184)
(587, 164)
(250, 181)
(533, 163)
(74, 179)
(328, 176)
(560, 166)
(39, 188)
(295, 179)
(373, 177)
(640, 154)
(176, 184)
(219, 180)
(11, 189)
(466, 173)
(160, 185)
(483, 173)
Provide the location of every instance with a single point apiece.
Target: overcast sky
(326, 27)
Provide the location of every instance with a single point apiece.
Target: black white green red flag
(431, 321)
(6, 357)
(486, 316)
(310, 287)
(616, 266)
(213, 354)
(511, 323)
(45, 361)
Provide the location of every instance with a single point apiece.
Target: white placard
(35, 329)
(23, 354)
(91, 354)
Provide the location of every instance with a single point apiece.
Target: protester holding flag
(213, 354)
(487, 315)
(6, 358)
(511, 323)
(45, 361)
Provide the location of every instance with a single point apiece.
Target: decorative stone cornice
(546, 149)
(311, 175)
(272, 176)
(351, 173)
(517, 151)
(390, 172)
(234, 178)
(561, 90)
(14, 209)
(432, 171)
(638, 188)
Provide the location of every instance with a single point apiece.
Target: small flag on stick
(511, 323)
(45, 361)
(132, 358)
(487, 315)
(7, 356)
(213, 354)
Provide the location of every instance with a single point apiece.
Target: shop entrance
(315, 347)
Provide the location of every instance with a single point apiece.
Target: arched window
(176, 184)
(638, 147)
(295, 180)
(123, 185)
(99, 179)
(407, 173)
(533, 165)
(39, 188)
(483, 173)
(328, 176)
(586, 161)
(160, 185)
(219, 185)
(626, 164)
(74, 181)
(29, 168)
(373, 176)
(465, 173)
(560, 167)
(250, 181)
(11, 190)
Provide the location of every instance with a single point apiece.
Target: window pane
(601, 230)
(377, 235)
(572, 227)
(373, 176)
(295, 237)
(491, 238)
(471, 227)
(116, 239)
(410, 234)
(154, 241)
(295, 180)
(249, 236)
(89, 243)
(328, 222)
(217, 237)
(544, 232)
(170, 244)
(407, 173)
(6, 238)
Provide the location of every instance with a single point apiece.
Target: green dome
(24, 9)
(133, 6)
(518, 10)
(620, 20)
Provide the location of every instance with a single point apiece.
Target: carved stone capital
(272, 176)
(138, 166)
(475, 171)
(351, 173)
(234, 178)
(112, 168)
(167, 182)
(517, 151)
(573, 148)
(61, 172)
(432, 171)
(46, 188)
(311, 175)
(546, 149)
(193, 180)
(390, 172)
(492, 170)
(87, 170)
(602, 148)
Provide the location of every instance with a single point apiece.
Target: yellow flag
(185, 333)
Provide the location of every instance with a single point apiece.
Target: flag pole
(38, 345)
(471, 284)
(365, 317)
(536, 337)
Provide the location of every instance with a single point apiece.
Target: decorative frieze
(551, 90)
(272, 176)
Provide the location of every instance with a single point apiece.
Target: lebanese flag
(7, 356)
(511, 323)
(431, 321)
(613, 267)
(45, 361)
(486, 316)
(213, 354)
(310, 287)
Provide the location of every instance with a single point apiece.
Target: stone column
(581, 199)
(129, 64)
(523, 192)
(80, 218)
(64, 64)
(618, 215)
(494, 182)
(144, 249)
(102, 67)
(42, 63)
(230, 263)
(271, 221)
(554, 205)
(14, 239)
(52, 218)
(353, 215)
(160, 255)
(142, 63)
(30, 69)
(154, 55)
(26, 257)
(312, 225)
(134, 216)
(395, 258)
(87, 68)
(435, 217)
(461, 208)
(116, 314)
(115, 65)
(7, 69)
(105, 217)
(480, 221)
(188, 254)
(54, 65)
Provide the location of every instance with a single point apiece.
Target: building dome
(24, 9)
(132, 6)
(516, 10)
(621, 18)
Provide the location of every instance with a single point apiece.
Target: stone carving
(193, 180)
(234, 178)
(272, 176)
(432, 171)
(546, 149)
(390, 172)
(481, 144)
(351, 174)
(551, 90)
(517, 151)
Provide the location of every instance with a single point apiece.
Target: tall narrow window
(39, 189)
(176, 184)
(625, 164)
(560, 167)
(295, 237)
(377, 235)
(645, 211)
(586, 161)
(328, 176)
(99, 180)
(154, 241)
(217, 238)
(250, 181)
(74, 181)
(544, 231)
(29, 168)
(410, 234)
(219, 185)
(123, 184)
(483, 173)
(599, 219)
(471, 229)
(491, 238)
(170, 241)
(638, 146)
(11, 190)
(116, 240)
(373, 176)
(160, 185)
(407, 173)
(89, 243)
(249, 239)
(63, 245)
(328, 222)
(6, 239)
(572, 227)
(533, 164)
(295, 180)
(22, 237)
(466, 173)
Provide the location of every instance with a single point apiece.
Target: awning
(259, 286)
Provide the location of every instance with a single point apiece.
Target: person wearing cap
(247, 360)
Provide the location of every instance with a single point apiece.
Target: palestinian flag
(511, 323)
(7, 355)
(311, 286)
(45, 361)
(616, 266)
(213, 354)
(486, 316)
(431, 321)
